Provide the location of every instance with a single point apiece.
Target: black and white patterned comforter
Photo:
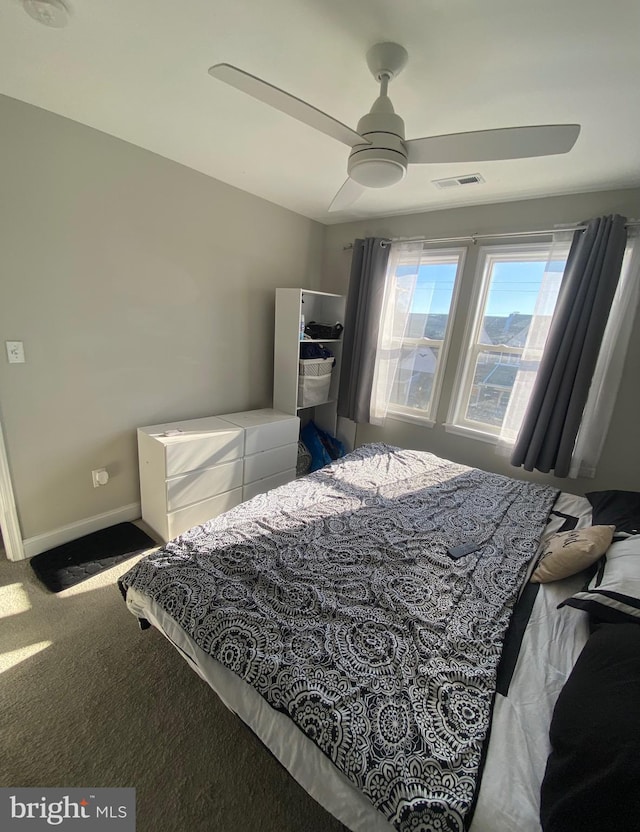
(335, 598)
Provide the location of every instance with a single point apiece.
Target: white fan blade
(349, 193)
(490, 145)
(286, 103)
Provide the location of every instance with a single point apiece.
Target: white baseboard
(48, 540)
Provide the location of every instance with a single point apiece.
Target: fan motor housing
(383, 161)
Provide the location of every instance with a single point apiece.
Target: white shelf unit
(324, 308)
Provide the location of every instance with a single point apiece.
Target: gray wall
(143, 292)
(620, 463)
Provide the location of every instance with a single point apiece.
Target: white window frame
(488, 256)
(413, 414)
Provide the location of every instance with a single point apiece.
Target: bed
(403, 689)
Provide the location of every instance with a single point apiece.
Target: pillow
(613, 594)
(567, 553)
(621, 508)
(592, 775)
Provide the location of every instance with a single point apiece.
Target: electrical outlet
(100, 477)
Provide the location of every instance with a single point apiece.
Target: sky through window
(514, 286)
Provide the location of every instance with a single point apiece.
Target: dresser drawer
(179, 521)
(180, 447)
(265, 429)
(267, 463)
(266, 484)
(200, 485)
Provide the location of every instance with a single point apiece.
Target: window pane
(413, 382)
(493, 379)
(512, 298)
(431, 299)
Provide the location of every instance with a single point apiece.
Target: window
(514, 299)
(414, 338)
(506, 324)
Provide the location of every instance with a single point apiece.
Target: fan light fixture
(376, 171)
(52, 13)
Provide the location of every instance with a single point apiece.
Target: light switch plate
(15, 352)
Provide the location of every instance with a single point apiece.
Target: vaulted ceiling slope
(139, 71)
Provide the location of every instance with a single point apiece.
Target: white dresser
(193, 470)
(270, 448)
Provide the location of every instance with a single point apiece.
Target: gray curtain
(551, 423)
(362, 321)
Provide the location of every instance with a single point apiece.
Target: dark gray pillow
(593, 771)
(616, 508)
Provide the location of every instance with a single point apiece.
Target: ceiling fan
(379, 151)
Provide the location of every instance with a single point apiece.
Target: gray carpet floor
(88, 699)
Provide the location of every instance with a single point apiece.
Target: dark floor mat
(73, 562)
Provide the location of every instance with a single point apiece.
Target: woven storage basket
(316, 366)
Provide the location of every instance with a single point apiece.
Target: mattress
(540, 650)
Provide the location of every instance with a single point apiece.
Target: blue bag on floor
(323, 447)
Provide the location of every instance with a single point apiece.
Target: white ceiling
(137, 69)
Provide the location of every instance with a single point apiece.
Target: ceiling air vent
(456, 181)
